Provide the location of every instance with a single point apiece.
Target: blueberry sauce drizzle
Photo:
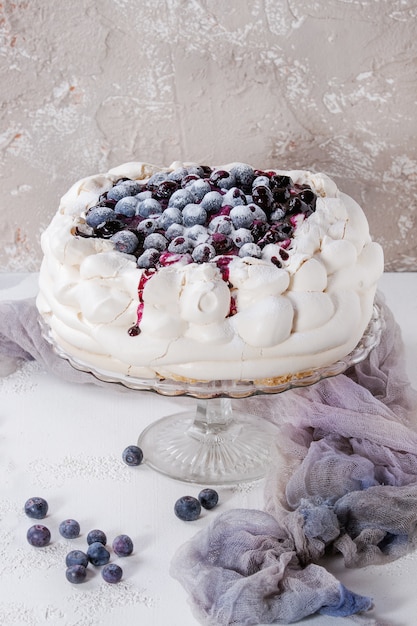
(266, 206)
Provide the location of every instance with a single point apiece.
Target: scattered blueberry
(96, 536)
(76, 557)
(122, 545)
(112, 573)
(37, 508)
(69, 529)
(187, 508)
(208, 498)
(132, 455)
(38, 536)
(98, 554)
(76, 574)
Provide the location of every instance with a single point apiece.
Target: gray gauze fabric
(344, 481)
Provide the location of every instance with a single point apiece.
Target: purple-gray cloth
(345, 482)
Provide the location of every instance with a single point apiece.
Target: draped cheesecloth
(345, 482)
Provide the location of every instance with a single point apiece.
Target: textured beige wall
(329, 85)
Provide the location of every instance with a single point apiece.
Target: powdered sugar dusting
(89, 468)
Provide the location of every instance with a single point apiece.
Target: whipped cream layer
(306, 313)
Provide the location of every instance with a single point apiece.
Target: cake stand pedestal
(215, 444)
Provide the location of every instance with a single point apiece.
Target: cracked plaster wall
(328, 85)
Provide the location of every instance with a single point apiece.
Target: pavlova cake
(203, 273)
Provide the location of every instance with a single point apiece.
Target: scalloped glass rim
(233, 388)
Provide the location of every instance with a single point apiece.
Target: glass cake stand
(215, 443)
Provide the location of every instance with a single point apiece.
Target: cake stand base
(211, 445)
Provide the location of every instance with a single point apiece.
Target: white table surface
(64, 442)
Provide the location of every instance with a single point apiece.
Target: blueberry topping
(38, 536)
(132, 455)
(186, 214)
(122, 545)
(112, 573)
(76, 557)
(96, 536)
(36, 508)
(208, 498)
(187, 508)
(76, 574)
(69, 529)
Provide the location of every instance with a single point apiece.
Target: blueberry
(257, 213)
(197, 234)
(199, 188)
(96, 536)
(165, 189)
(233, 197)
(221, 224)
(69, 529)
(36, 508)
(203, 253)
(221, 243)
(123, 189)
(178, 174)
(112, 573)
(148, 207)
(125, 241)
(242, 216)
(76, 574)
(180, 245)
(99, 215)
(212, 201)
(148, 225)
(193, 214)
(242, 236)
(132, 455)
(175, 230)
(155, 240)
(156, 179)
(187, 508)
(196, 170)
(143, 195)
(122, 545)
(180, 199)
(223, 179)
(109, 228)
(149, 258)
(126, 206)
(260, 180)
(171, 215)
(279, 180)
(250, 249)
(208, 498)
(76, 557)
(263, 197)
(98, 554)
(244, 175)
(38, 536)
